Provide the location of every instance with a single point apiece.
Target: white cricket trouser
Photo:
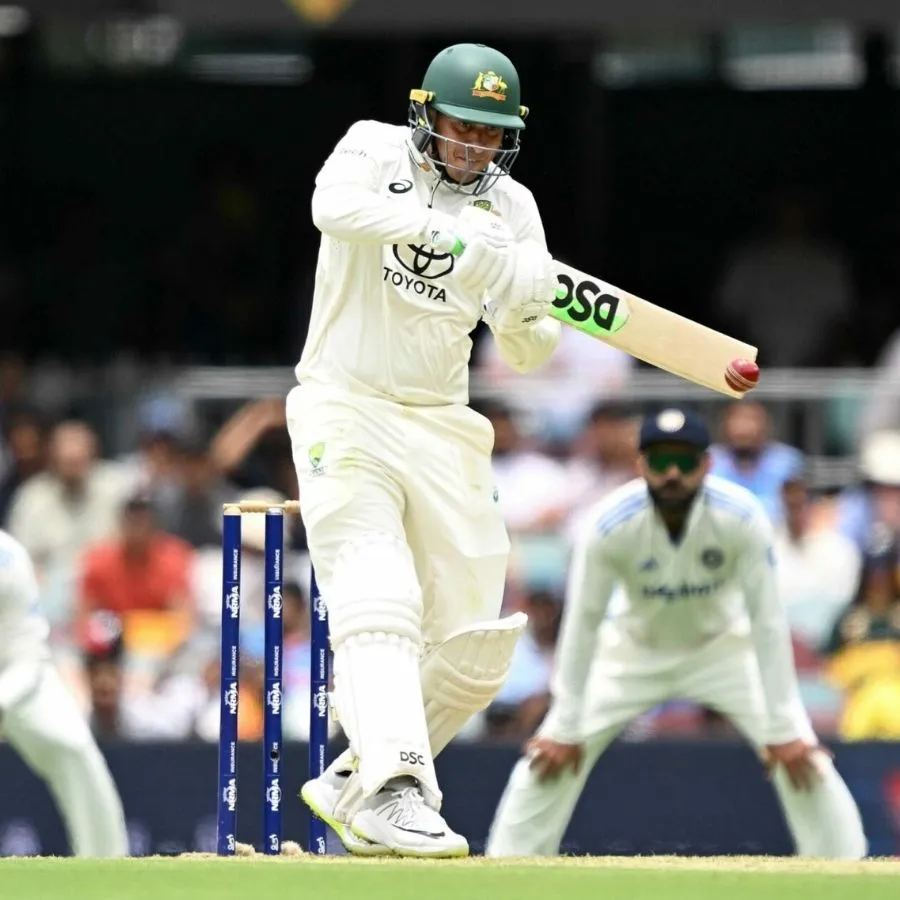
(420, 474)
(408, 546)
(532, 816)
(41, 720)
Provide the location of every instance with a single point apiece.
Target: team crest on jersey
(314, 455)
(490, 84)
(712, 557)
(486, 205)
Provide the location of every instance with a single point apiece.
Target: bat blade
(648, 332)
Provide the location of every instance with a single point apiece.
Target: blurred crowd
(128, 551)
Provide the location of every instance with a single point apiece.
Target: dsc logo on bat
(587, 307)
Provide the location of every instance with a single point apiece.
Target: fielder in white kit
(698, 619)
(40, 718)
(394, 468)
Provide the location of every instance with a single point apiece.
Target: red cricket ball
(742, 375)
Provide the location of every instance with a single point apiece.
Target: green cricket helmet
(473, 83)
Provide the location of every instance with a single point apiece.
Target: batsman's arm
(348, 202)
(770, 630)
(527, 349)
(592, 579)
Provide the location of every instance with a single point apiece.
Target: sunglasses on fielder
(660, 461)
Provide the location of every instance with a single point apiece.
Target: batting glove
(529, 295)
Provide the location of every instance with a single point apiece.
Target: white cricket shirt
(388, 319)
(673, 599)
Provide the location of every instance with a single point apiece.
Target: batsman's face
(673, 472)
(466, 148)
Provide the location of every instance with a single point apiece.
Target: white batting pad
(379, 703)
(459, 677)
(375, 611)
(463, 674)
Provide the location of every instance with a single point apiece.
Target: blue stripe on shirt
(728, 503)
(621, 512)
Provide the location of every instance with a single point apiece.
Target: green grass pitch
(310, 878)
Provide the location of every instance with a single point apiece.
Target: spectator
(142, 568)
(26, 443)
(775, 285)
(747, 455)
(239, 447)
(817, 575)
(818, 568)
(523, 700)
(865, 646)
(59, 512)
(876, 500)
(114, 713)
(153, 469)
(193, 509)
(604, 457)
(531, 487)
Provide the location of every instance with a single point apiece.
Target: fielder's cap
(674, 426)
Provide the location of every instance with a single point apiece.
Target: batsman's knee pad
(374, 589)
(375, 612)
(463, 674)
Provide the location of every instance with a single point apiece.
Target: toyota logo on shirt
(424, 261)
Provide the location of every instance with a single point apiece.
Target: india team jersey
(23, 628)
(388, 319)
(673, 598)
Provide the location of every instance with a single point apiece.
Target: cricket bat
(646, 331)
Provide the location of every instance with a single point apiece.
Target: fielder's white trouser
(41, 720)
(532, 816)
(408, 545)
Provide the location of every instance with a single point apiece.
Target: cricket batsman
(394, 468)
(41, 720)
(699, 619)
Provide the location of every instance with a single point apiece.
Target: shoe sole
(353, 843)
(411, 853)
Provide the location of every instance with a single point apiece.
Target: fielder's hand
(797, 757)
(547, 758)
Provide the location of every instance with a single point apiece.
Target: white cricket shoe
(397, 817)
(321, 796)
